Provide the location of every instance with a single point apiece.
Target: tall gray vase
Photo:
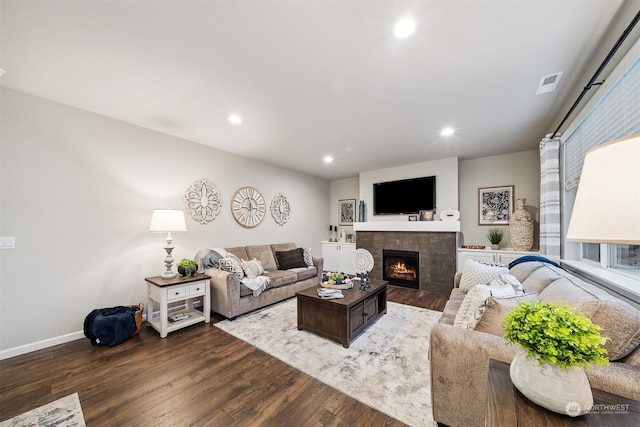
(521, 227)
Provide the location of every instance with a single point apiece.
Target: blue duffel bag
(110, 326)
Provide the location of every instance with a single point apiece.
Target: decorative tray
(473, 247)
(348, 284)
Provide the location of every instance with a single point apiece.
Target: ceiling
(311, 78)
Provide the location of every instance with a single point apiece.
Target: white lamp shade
(167, 220)
(607, 206)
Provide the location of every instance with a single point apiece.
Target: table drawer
(197, 288)
(177, 292)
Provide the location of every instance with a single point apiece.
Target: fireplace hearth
(401, 268)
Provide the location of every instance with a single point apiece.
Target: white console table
(489, 255)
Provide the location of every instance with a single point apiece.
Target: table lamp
(607, 206)
(166, 221)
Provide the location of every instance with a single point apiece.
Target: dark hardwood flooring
(197, 376)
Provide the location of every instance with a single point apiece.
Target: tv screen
(407, 196)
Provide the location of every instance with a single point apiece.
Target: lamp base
(169, 275)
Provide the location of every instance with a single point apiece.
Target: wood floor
(197, 376)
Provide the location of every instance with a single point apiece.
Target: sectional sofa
(459, 356)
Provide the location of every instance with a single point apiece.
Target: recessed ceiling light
(328, 159)
(235, 119)
(447, 131)
(404, 28)
(1, 72)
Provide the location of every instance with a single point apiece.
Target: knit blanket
(257, 284)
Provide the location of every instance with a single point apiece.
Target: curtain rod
(604, 63)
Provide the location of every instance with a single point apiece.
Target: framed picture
(346, 211)
(495, 205)
(427, 215)
(413, 217)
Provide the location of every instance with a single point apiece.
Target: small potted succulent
(556, 343)
(187, 267)
(495, 237)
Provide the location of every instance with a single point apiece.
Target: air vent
(549, 83)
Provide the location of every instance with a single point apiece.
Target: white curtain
(550, 198)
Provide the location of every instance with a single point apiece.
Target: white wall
(77, 192)
(445, 170)
(342, 189)
(521, 170)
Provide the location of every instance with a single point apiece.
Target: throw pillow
(308, 259)
(495, 308)
(471, 308)
(252, 268)
(478, 273)
(290, 259)
(231, 263)
(508, 280)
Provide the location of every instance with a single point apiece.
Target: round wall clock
(248, 207)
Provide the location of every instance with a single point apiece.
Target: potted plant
(187, 267)
(495, 237)
(555, 345)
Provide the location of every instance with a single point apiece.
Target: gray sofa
(231, 299)
(459, 357)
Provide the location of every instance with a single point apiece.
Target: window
(612, 113)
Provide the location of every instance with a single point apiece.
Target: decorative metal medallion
(248, 207)
(202, 201)
(280, 209)
(362, 261)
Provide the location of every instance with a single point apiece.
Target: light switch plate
(7, 242)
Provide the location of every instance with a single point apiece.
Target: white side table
(169, 291)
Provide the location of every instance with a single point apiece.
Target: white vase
(562, 391)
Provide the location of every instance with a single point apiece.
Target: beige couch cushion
(281, 277)
(263, 254)
(541, 277)
(494, 310)
(618, 320)
(239, 251)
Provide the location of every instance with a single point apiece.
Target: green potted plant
(187, 267)
(495, 237)
(556, 343)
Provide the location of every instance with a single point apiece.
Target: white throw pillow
(252, 269)
(307, 257)
(231, 263)
(471, 309)
(479, 273)
(510, 280)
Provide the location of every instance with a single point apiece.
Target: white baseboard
(49, 342)
(39, 345)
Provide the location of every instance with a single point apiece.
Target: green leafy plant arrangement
(187, 267)
(495, 235)
(555, 334)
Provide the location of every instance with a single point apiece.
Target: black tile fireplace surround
(437, 254)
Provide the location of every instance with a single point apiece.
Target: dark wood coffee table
(342, 320)
(506, 406)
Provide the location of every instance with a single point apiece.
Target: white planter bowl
(564, 392)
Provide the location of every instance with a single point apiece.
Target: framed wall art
(495, 205)
(346, 211)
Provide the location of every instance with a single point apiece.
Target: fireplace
(401, 268)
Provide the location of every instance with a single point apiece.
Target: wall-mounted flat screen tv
(403, 197)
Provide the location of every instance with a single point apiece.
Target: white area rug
(386, 367)
(64, 412)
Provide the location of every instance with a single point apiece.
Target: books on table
(328, 293)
